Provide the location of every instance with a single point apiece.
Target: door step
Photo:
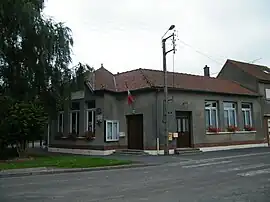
(130, 152)
(186, 151)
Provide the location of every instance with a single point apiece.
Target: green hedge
(8, 153)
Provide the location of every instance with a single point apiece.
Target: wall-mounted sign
(122, 134)
(99, 118)
(170, 137)
(77, 95)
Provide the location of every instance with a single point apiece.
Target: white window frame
(60, 130)
(267, 93)
(114, 137)
(229, 110)
(211, 109)
(76, 120)
(250, 113)
(93, 110)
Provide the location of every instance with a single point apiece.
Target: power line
(200, 52)
(255, 60)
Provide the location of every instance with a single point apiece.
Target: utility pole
(165, 105)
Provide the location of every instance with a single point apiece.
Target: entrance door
(183, 129)
(135, 131)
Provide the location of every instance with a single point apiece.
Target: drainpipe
(156, 122)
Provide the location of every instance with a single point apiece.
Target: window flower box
(249, 128)
(89, 135)
(72, 136)
(213, 130)
(232, 128)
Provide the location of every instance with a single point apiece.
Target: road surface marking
(232, 157)
(206, 164)
(242, 168)
(254, 172)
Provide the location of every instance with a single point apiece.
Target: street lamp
(165, 105)
(170, 28)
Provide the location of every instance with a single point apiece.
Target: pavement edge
(73, 170)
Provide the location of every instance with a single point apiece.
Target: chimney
(206, 71)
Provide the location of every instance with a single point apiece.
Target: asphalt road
(220, 176)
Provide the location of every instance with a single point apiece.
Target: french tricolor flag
(130, 98)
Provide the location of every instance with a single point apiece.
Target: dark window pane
(78, 123)
(232, 118)
(226, 118)
(75, 106)
(73, 123)
(207, 118)
(246, 106)
(248, 118)
(213, 118)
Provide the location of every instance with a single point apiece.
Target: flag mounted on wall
(130, 98)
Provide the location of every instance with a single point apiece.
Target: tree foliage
(26, 121)
(35, 52)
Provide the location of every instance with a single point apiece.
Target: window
(112, 130)
(211, 114)
(60, 122)
(74, 122)
(74, 118)
(91, 104)
(90, 120)
(247, 117)
(230, 114)
(267, 94)
(90, 116)
(182, 124)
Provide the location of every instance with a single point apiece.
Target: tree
(5, 103)
(35, 53)
(26, 121)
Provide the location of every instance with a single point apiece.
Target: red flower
(249, 128)
(232, 128)
(214, 129)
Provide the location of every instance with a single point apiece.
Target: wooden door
(183, 129)
(135, 131)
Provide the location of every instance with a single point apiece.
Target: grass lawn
(62, 162)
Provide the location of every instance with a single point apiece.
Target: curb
(72, 170)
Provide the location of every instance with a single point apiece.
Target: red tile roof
(147, 78)
(257, 71)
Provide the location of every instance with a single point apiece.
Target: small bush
(8, 153)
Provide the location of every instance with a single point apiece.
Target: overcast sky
(126, 34)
